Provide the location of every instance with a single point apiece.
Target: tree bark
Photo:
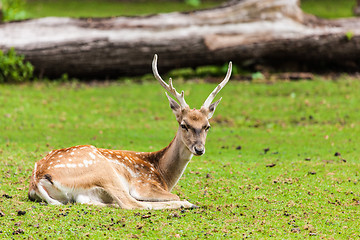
(270, 32)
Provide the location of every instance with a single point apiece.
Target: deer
(127, 179)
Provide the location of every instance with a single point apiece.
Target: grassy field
(285, 182)
(329, 8)
(109, 8)
(106, 8)
(281, 159)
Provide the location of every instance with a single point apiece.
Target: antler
(169, 87)
(212, 95)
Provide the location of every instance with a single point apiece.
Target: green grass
(329, 8)
(308, 192)
(107, 8)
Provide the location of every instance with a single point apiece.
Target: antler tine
(169, 87)
(212, 95)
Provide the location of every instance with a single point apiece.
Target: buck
(127, 179)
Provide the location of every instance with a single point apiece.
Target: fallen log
(273, 32)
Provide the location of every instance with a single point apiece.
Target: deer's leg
(43, 189)
(170, 205)
(152, 193)
(125, 200)
(158, 198)
(118, 189)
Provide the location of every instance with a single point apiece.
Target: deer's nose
(199, 150)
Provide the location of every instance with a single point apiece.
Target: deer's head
(193, 123)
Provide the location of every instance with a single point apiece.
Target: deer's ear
(209, 112)
(175, 107)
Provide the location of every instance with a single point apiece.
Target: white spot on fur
(113, 161)
(81, 165)
(59, 166)
(69, 165)
(92, 155)
(132, 173)
(72, 153)
(87, 163)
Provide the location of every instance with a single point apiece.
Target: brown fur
(139, 169)
(132, 180)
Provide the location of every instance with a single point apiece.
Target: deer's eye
(207, 128)
(183, 126)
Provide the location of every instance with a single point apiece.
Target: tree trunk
(270, 32)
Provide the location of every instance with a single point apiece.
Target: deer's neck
(173, 160)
